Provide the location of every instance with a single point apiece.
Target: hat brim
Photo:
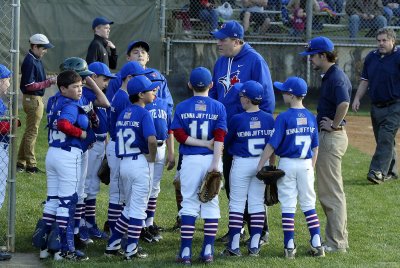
(6, 75)
(85, 73)
(138, 44)
(153, 86)
(49, 45)
(219, 35)
(312, 52)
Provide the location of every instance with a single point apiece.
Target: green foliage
(373, 223)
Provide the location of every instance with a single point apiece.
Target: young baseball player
(101, 76)
(5, 76)
(161, 113)
(248, 134)
(295, 141)
(67, 125)
(199, 126)
(119, 102)
(136, 136)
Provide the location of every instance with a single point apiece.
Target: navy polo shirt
(383, 75)
(32, 71)
(335, 89)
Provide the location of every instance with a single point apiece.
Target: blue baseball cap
(4, 72)
(100, 21)
(293, 85)
(252, 90)
(132, 68)
(200, 77)
(138, 43)
(318, 45)
(155, 75)
(231, 29)
(100, 68)
(141, 83)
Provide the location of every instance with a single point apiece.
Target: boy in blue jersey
(248, 134)
(135, 138)
(101, 76)
(119, 102)
(5, 76)
(199, 126)
(67, 125)
(295, 141)
(161, 113)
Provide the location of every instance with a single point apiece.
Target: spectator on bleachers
(296, 4)
(204, 10)
(337, 7)
(253, 11)
(298, 19)
(391, 9)
(365, 14)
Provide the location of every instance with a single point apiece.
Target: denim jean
(336, 5)
(389, 13)
(210, 16)
(356, 23)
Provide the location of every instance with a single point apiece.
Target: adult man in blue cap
(239, 62)
(334, 101)
(101, 49)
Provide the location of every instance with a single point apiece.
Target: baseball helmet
(76, 64)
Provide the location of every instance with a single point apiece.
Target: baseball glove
(210, 186)
(270, 174)
(271, 194)
(104, 172)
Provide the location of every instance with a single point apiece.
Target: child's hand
(83, 135)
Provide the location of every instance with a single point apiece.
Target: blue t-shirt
(133, 127)
(119, 102)
(247, 65)
(199, 117)
(3, 113)
(383, 75)
(295, 134)
(335, 89)
(32, 71)
(249, 133)
(71, 110)
(161, 113)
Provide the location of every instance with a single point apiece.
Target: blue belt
(101, 137)
(134, 157)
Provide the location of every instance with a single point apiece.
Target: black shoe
(4, 256)
(20, 167)
(33, 170)
(146, 236)
(375, 177)
(155, 232)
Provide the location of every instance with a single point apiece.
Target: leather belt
(339, 128)
(386, 104)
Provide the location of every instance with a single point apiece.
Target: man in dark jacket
(101, 49)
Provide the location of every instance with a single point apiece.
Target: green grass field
(373, 223)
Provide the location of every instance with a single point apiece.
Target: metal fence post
(14, 117)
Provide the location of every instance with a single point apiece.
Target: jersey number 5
(304, 141)
(125, 148)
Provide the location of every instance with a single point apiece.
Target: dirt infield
(359, 131)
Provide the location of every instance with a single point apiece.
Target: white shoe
(44, 254)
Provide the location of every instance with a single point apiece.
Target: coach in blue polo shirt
(381, 75)
(334, 101)
(33, 85)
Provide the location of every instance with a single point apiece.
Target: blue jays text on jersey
(161, 112)
(248, 133)
(295, 134)
(199, 117)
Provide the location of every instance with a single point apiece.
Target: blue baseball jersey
(249, 133)
(3, 113)
(65, 108)
(100, 112)
(119, 102)
(199, 116)
(133, 127)
(295, 134)
(161, 113)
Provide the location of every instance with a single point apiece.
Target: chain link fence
(8, 58)
(348, 21)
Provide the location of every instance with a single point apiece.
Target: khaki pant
(33, 107)
(332, 146)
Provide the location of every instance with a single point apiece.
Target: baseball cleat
(113, 248)
(138, 252)
(375, 177)
(95, 232)
(70, 256)
(20, 167)
(5, 256)
(254, 252)
(146, 236)
(208, 259)
(329, 249)
(84, 235)
(231, 252)
(290, 253)
(155, 233)
(44, 254)
(184, 260)
(317, 251)
(264, 239)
